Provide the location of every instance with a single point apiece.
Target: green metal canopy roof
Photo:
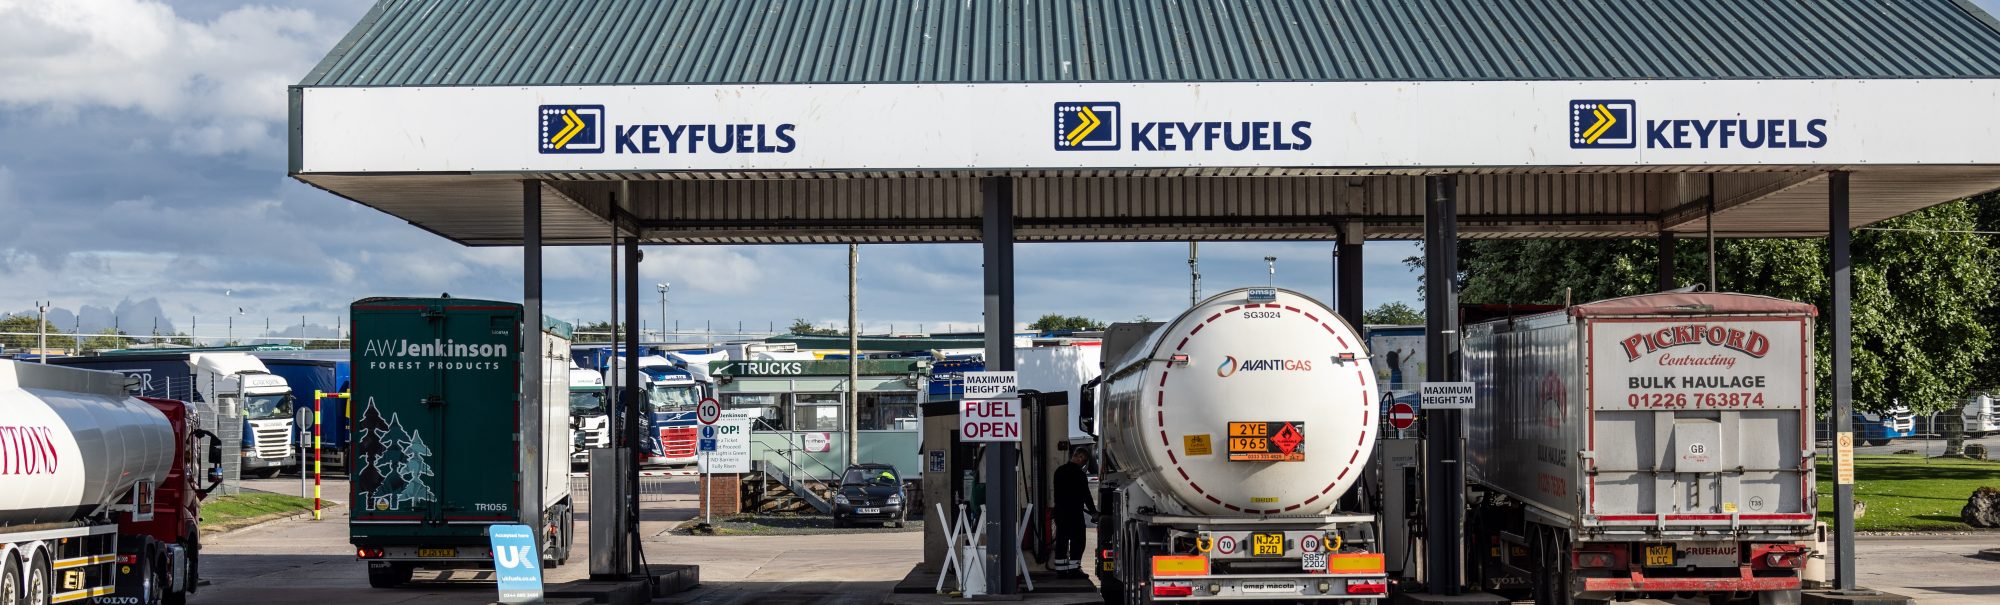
(538, 42)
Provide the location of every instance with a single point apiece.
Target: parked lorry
(1227, 437)
(671, 396)
(100, 493)
(446, 444)
(589, 418)
(309, 372)
(232, 383)
(1652, 446)
(1981, 414)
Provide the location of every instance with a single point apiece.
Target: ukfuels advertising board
(1707, 364)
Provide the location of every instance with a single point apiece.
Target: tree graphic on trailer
(368, 450)
(388, 494)
(416, 488)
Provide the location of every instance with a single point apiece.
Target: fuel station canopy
(748, 121)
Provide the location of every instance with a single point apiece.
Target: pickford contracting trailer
(444, 442)
(1228, 438)
(1646, 446)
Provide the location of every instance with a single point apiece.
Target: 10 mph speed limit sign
(709, 411)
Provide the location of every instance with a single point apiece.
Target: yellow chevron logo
(572, 124)
(1604, 123)
(1090, 123)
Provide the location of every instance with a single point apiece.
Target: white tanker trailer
(1227, 437)
(98, 490)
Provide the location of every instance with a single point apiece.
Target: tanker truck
(100, 493)
(1651, 446)
(1227, 438)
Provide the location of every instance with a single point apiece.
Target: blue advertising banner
(517, 565)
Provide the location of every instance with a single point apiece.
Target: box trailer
(444, 442)
(1646, 446)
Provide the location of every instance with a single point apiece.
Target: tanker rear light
(1787, 560)
(369, 553)
(128, 559)
(1173, 589)
(1177, 360)
(1595, 560)
(1371, 586)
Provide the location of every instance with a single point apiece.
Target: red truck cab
(159, 554)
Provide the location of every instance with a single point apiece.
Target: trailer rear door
(436, 404)
(1700, 421)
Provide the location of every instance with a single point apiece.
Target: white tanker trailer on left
(99, 491)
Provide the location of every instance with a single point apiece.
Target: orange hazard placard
(1266, 441)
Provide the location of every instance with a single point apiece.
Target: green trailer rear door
(436, 394)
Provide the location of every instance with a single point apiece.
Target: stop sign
(1402, 415)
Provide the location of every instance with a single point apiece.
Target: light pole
(664, 286)
(1271, 264)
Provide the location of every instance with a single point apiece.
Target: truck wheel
(10, 582)
(39, 588)
(389, 575)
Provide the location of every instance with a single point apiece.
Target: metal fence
(654, 486)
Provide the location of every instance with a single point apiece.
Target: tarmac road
(302, 562)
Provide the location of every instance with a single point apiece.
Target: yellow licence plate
(1267, 545)
(1660, 556)
(437, 552)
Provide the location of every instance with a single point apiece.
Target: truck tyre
(38, 587)
(389, 575)
(10, 581)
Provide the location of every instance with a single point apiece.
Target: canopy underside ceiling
(677, 208)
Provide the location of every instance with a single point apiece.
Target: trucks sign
(1267, 441)
(1698, 364)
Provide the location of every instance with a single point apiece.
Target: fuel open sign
(1267, 441)
(989, 420)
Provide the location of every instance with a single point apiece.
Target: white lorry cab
(590, 421)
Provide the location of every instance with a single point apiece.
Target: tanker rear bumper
(1638, 582)
(1265, 587)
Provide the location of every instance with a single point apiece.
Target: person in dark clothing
(1072, 502)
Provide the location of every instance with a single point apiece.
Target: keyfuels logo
(1615, 124)
(1087, 126)
(571, 129)
(1602, 124)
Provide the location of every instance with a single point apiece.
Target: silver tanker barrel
(1258, 401)
(72, 443)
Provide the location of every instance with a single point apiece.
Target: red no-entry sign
(1402, 415)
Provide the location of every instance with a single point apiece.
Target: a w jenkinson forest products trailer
(443, 442)
(100, 492)
(1228, 437)
(1649, 446)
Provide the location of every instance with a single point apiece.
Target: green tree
(105, 340)
(802, 327)
(1057, 321)
(1393, 314)
(19, 333)
(1924, 293)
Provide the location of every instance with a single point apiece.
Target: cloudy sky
(144, 177)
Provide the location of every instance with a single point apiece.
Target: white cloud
(221, 81)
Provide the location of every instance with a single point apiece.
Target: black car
(871, 493)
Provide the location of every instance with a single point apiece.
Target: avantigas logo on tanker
(436, 354)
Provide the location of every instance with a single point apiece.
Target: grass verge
(1909, 493)
(224, 513)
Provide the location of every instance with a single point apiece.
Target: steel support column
(1839, 269)
(997, 237)
(1349, 289)
(1663, 273)
(1444, 475)
(633, 398)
